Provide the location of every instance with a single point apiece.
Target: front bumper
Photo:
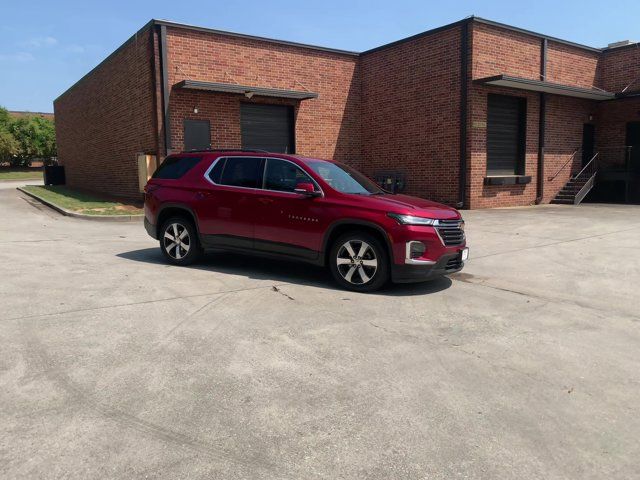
(151, 229)
(446, 264)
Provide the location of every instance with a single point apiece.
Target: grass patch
(20, 174)
(84, 203)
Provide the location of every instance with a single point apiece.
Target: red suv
(286, 206)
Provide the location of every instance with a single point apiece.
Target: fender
(177, 206)
(357, 222)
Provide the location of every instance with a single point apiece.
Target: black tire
(361, 273)
(187, 250)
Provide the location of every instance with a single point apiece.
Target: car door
(288, 222)
(226, 205)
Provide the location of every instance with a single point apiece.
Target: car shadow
(260, 268)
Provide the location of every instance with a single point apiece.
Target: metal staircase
(579, 185)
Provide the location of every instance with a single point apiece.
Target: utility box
(147, 165)
(54, 175)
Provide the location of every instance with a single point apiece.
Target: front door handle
(265, 200)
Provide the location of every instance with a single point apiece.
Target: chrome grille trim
(450, 232)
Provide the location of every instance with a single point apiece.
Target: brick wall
(612, 118)
(107, 118)
(620, 71)
(391, 109)
(411, 113)
(487, 196)
(496, 51)
(326, 127)
(621, 68)
(222, 111)
(571, 65)
(566, 117)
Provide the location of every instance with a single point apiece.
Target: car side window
(284, 176)
(242, 172)
(215, 174)
(175, 167)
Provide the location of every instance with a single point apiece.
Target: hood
(413, 206)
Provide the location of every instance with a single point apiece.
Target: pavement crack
(193, 314)
(276, 289)
(144, 302)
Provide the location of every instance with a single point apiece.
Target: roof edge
(168, 23)
(420, 35)
(464, 21)
(535, 34)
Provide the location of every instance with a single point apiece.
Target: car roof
(251, 153)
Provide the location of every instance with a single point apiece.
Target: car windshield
(344, 179)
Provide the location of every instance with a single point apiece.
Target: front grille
(450, 232)
(454, 263)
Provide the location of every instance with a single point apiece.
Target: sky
(47, 45)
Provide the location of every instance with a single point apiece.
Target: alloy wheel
(357, 262)
(177, 241)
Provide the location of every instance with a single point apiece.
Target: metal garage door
(506, 118)
(267, 127)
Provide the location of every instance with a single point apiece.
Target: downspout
(164, 88)
(153, 37)
(542, 124)
(464, 92)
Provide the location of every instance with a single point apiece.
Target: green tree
(36, 137)
(9, 146)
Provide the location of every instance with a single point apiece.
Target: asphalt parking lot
(116, 365)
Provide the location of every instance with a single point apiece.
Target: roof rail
(248, 150)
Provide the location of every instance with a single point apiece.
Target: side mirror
(307, 189)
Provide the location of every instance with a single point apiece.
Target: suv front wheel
(179, 241)
(359, 262)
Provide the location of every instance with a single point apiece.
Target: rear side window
(176, 167)
(242, 172)
(216, 172)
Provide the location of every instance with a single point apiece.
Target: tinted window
(344, 179)
(176, 167)
(284, 176)
(216, 171)
(242, 172)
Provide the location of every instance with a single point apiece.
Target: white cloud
(75, 49)
(20, 57)
(40, 42)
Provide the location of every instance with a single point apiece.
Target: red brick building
(475, 113)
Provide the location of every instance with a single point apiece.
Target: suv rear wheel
(359, 262)
(179, 241)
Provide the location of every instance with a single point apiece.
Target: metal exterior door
(197, 135)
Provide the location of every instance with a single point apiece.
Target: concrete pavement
(116, 365)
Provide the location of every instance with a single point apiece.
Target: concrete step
(562, 202)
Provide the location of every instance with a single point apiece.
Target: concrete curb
(95, 218)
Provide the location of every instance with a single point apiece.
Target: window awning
(245, 90)
(546, 87)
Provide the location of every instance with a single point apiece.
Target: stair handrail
(553, 177)
(588, 166)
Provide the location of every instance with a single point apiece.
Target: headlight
(411, 220)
